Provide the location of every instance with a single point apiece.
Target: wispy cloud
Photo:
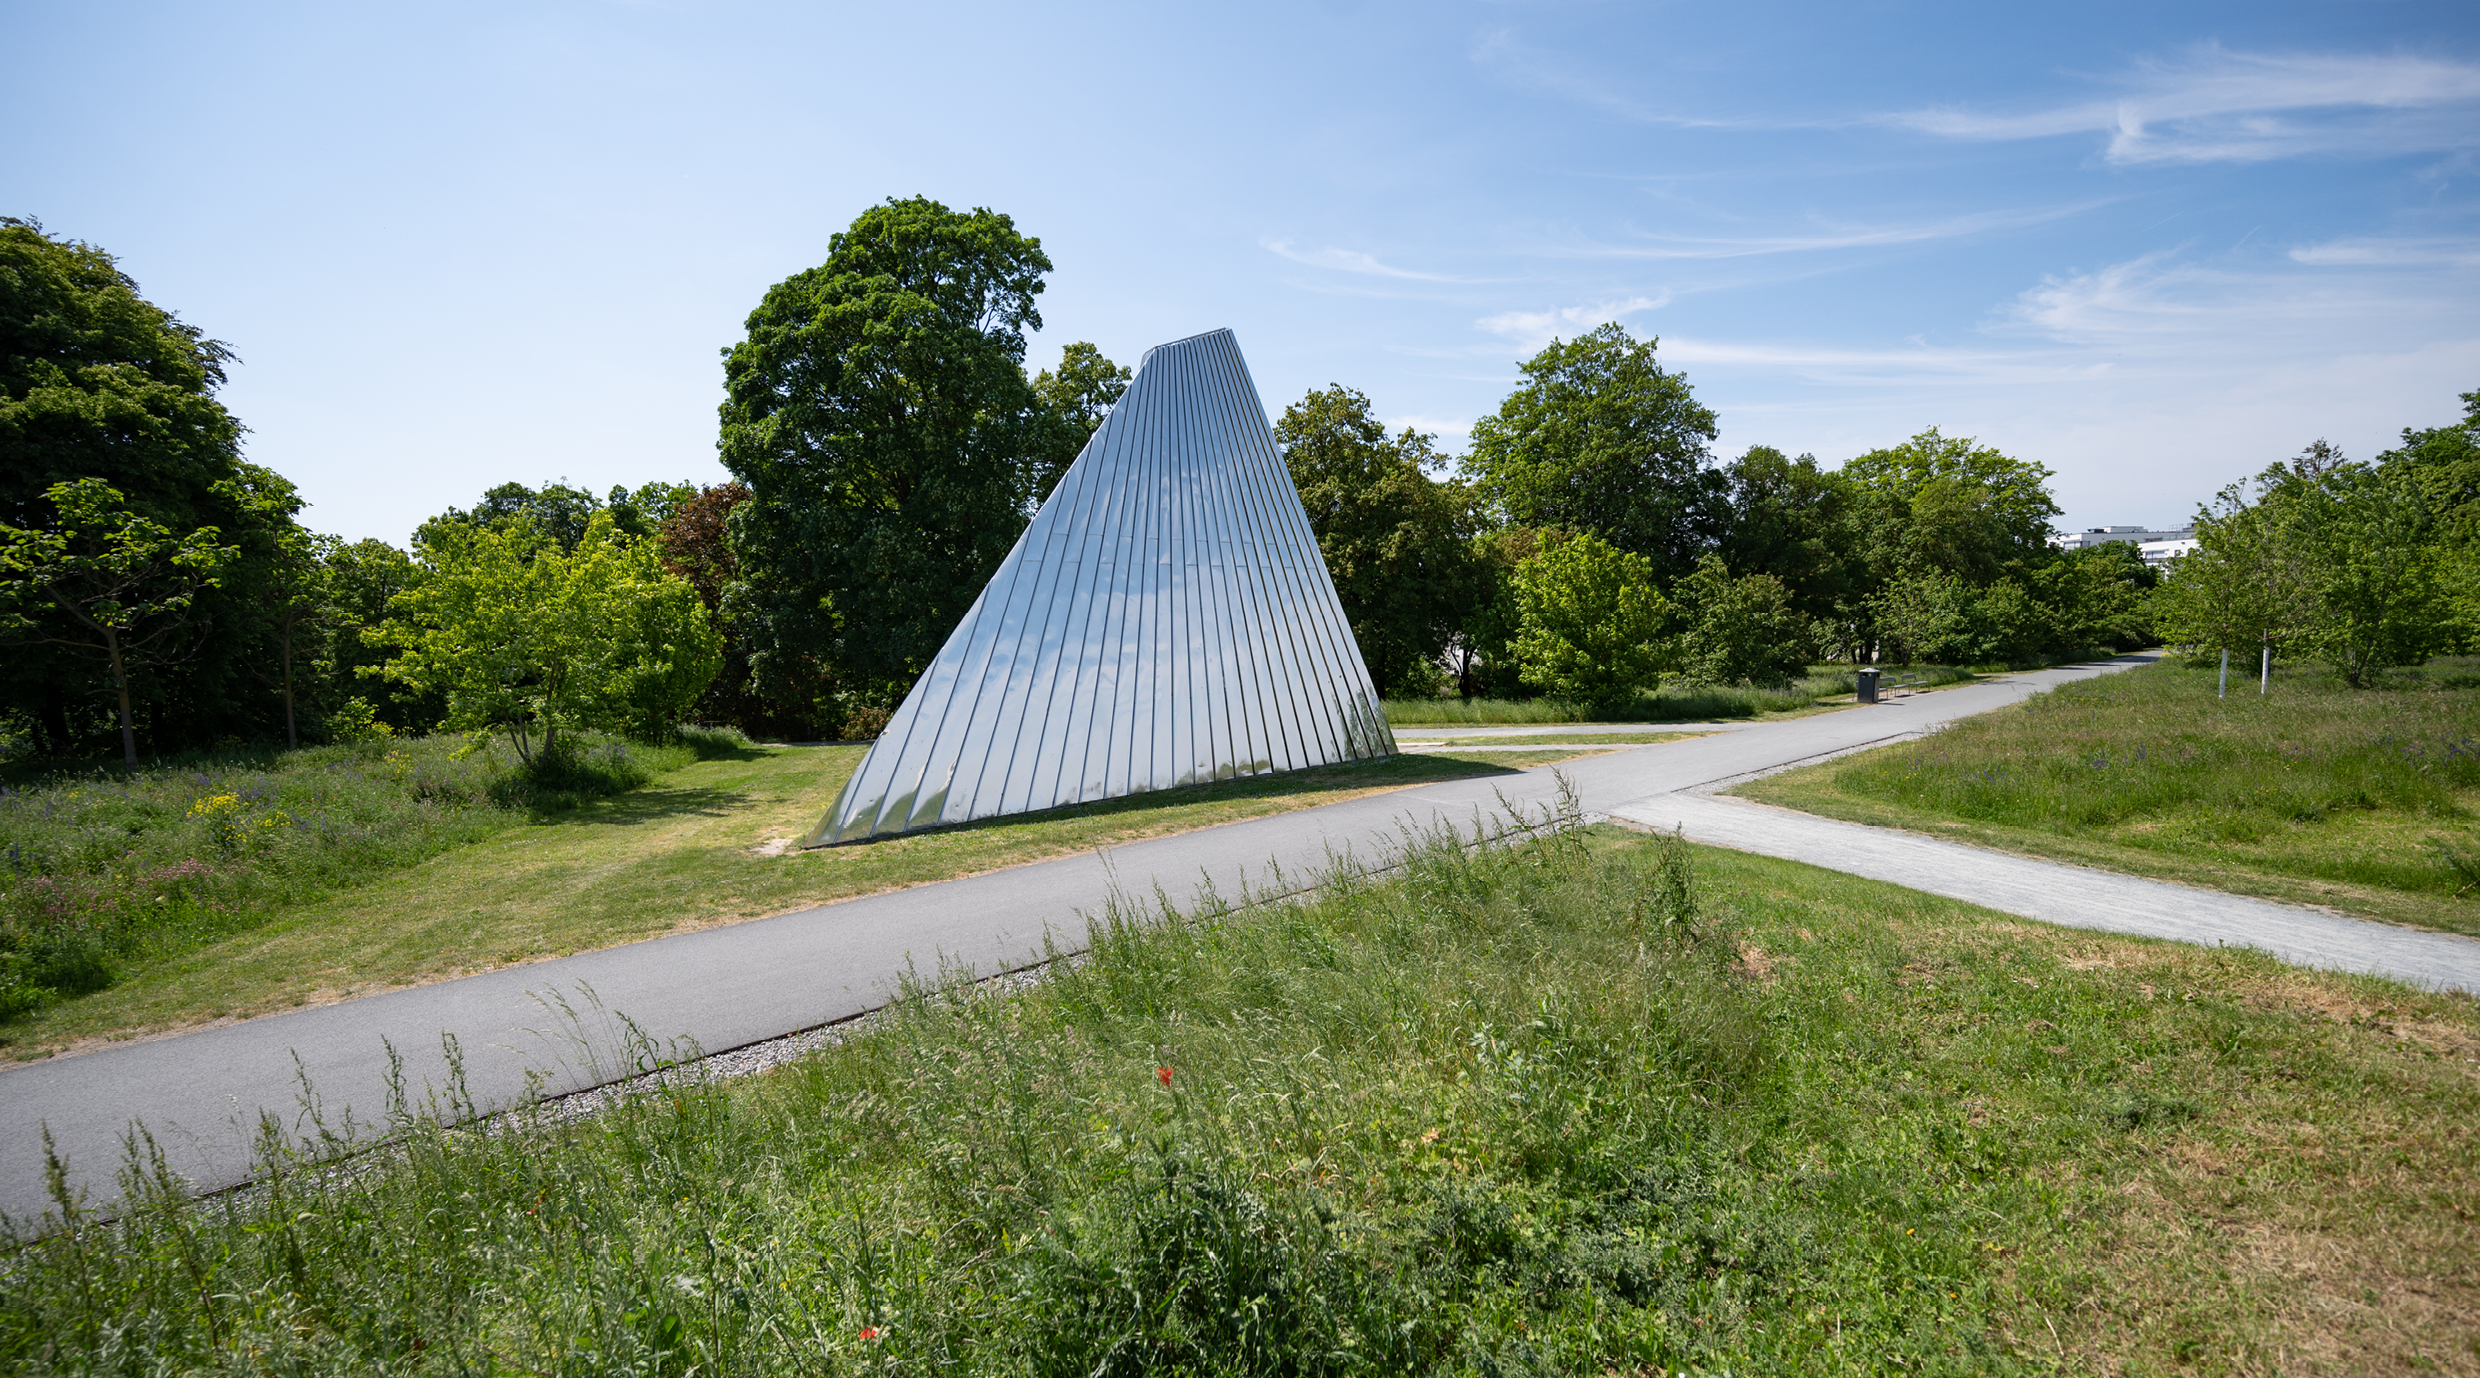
(2384, 252)
(2160, 317)
(1825, 237)
(1500, 54)
(1352, 261)
(1908, 365)
(2161, 305)
(2214, 105)
(1529, 331)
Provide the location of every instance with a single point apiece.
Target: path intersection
(558, 1026)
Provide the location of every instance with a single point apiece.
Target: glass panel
(1165, 618)
(1276, 646)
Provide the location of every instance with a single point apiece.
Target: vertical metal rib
(1165, 619)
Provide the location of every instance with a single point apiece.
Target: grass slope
(109, 870)
(1520, 1111)
(701, 845)
(2315, 793)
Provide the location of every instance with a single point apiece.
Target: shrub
(1590, 622)
(355, 720)
(1740, 631)
(863, 723)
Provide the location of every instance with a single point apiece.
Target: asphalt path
(562, 1025)
(2071, 896)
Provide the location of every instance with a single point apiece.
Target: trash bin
(1868, 684)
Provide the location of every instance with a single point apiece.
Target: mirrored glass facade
(1166, 620)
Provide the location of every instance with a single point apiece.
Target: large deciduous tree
(2345, 561)
(104, 582)
(1396, 541)
(96, 382)
(1077, 397)
(2244, 587)
(362, 579)
(2373, 569)
(879, 413)
(1793, 520)
(1954, 505)
(2444, 464)
(1599, 437)
(696, 546)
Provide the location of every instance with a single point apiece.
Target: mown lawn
(1416, 737)
(703, 844)
(1821, 686)
(2363, 800)
(1595, 1105)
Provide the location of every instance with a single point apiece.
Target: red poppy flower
(1163, 1075)
(869, 1332)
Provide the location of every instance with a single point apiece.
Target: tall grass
(1481, 1118)
(101, 869)
(2153, 759)
(1545, 1107)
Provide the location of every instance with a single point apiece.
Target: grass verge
(701, 845)
(1547, 740)
(2315, 793)
(1672, 703)
(1597, 1104)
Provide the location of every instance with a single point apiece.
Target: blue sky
(2153, 246)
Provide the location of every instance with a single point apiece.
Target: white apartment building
(2138, 536)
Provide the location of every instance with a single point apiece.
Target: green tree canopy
(2339, 560)
(1396, 541)
(1795, 521)
(2245, 585)
(1600, 438)
(1740, 630)
(2444, 464)
(102, 581)
(1955, 505)
(2094, 598)
(96, 382)
(696, 546)
(1590, 622)
(362, 581)
(522, 636)
(2373, 568)
(1077, 398)
(879, 413)
(1924, 615)
(1481, 655)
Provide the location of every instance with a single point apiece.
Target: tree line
(886, 444)
(2367, 567)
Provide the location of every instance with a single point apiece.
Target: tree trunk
(120, 686)
(292, 740)
(56, 721)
